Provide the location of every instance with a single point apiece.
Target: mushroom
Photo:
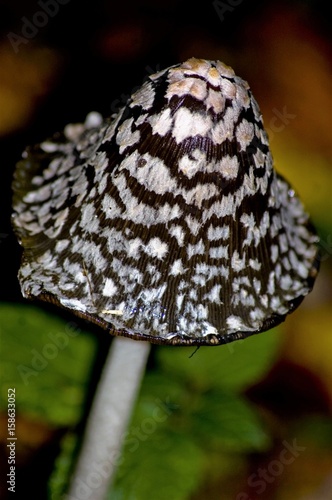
(166, 223)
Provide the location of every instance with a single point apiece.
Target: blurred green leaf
(212, 418)
(175, 431)
(167, 465)
(47, 360)
(58, 481)
(316, 429)
(160, 391)
(228, 421)
(235, 366)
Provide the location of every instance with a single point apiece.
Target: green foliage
(46, 360)
(191, 418)
(235, 366)
(169, 443)
(191, 409)
(167, 464)
(225, 421)
(63, 465)
(316, 429)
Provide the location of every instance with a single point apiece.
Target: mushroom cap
(166, 222)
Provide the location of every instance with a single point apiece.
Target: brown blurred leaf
(25, 78)
(308, 341)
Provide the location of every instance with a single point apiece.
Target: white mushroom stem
(107, 423)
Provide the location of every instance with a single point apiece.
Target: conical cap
(168, 222)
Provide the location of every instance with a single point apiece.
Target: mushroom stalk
(107, 423)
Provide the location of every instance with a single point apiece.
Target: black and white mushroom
(166, 223)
